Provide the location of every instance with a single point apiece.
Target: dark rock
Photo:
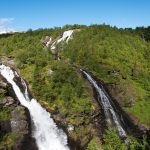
(129, 122)
(5, 126)
(19, 126)
(46, 41)
(19, 123)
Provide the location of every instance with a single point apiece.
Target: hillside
(120, 58)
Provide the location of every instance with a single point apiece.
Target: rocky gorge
(15, 128)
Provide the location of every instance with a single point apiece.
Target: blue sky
(24, 14)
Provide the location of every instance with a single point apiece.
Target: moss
(83, 133)
(94, 144)
(8, 140)
(27, 72)
(21, 111)
(4, 114)
(2, 93)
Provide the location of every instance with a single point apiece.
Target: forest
(118, 57)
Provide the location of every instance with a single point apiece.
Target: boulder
(18, 124)
(19, 120)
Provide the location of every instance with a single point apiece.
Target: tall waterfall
(104, 100)
(46, 133)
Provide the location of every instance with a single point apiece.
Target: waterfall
(104, 100)
(46, 133)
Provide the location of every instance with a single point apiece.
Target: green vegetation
(94, 145)
(113, 142)
(141, 110)
(117, 56)
(8, 140)
(4, 114)
(2, 93)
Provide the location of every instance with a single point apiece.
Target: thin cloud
(6, 21)
(4, 25)
(6, 30)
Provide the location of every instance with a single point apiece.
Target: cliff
(15, 122)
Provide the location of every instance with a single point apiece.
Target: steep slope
(118, 57)
(15, 123)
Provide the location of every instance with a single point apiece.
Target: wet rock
(18, 125)
(18, 120)
(46, 41)
(8, 60)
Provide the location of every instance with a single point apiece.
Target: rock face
(125, 98)
(18, 120)
(15, 123)
(45, 42)
(132, 124)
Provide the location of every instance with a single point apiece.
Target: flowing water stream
(45, 131)
(110, 114)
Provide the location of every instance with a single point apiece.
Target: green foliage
(8, 140)
(117, 56)
(113, 142)
(2, 93)
(94, 145)
(114, 56)
(4, 114)
(65, 89)
(141, 109)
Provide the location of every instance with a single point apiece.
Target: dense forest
(118, 57)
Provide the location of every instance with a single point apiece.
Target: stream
(112, 118)
(45, 131)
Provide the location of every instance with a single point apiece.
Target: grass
(142, 111)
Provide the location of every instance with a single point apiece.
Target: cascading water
(110, 114)
(46, 133)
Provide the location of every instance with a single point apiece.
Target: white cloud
(6, 30)
(4, 25)
(6, 21)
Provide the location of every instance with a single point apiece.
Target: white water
(108, 109)
(67, 35)
(46, 133)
